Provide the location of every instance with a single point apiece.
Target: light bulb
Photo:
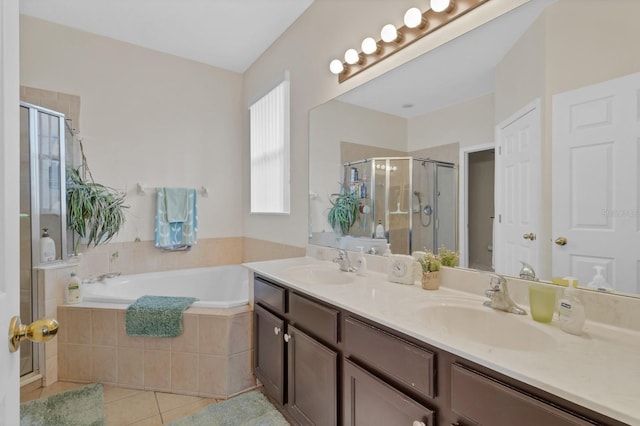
(389, 33)
(413, 18)
(351, 56)
(336, 66)
(441, 5)
(369, 46)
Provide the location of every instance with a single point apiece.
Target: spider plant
(94, 211)
(344, 210)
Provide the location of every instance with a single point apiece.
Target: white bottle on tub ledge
(73, 290)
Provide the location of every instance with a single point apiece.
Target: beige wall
(146, 117)
(138, 105)
(467, 123)
(335, 122)
(322, 33)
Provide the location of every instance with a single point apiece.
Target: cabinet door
(268, 361)
(313, 380)
(485, 401)
(370, 401)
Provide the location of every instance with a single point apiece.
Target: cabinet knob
(287, 337)
(418, 423)
(276, 330)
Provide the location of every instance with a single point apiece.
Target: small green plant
(430, 262)
(448, 257)
(94, 211)
(344, 210)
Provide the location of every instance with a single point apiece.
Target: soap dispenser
(47, 247)
(572, 315)
(380, 230)
(598, 281)
(361, 263)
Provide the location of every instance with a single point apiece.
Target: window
(269, 142)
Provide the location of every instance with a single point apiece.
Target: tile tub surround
(142, 256)
(597, 370)
(212, 358)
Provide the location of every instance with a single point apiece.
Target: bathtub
(212, 358)
(214, 287)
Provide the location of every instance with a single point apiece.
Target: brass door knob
(531, 236)
(561, 241)
(38, 331)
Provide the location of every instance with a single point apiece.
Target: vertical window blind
(269, 146)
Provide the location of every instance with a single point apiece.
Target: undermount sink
(487, 326)
(318, 274)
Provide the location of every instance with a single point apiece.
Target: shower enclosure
(414, 199)
(42, 205)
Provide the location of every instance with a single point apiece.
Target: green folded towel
(156, 316)
(177, 204)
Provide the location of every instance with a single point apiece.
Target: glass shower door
(42, 206)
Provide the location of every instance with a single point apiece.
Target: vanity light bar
(393, 40)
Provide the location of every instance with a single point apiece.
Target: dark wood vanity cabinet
(268, 360)
(327, 366)
(294, 358)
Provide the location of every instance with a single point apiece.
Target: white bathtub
(214, 287)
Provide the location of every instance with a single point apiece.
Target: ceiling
(229, 34)
(457, 71)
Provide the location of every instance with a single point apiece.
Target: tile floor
(125, 407)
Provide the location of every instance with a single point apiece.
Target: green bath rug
(82, 406)
(249, 409)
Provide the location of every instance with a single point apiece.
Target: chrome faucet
(108, 275)
(343, 261)
(499, 298)
(527, 272)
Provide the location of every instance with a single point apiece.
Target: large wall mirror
(538, 114)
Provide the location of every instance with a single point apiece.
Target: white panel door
(9, 212)
(595, 152)
(517, 219)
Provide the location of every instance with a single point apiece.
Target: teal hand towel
(177, 204)
(156, 316)
(169, 235)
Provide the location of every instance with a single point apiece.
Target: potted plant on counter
(430, 263)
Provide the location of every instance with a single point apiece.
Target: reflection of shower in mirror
(426, 211)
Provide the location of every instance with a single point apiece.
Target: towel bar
(142, 190)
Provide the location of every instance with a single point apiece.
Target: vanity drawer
(405, 362)
(269, 295)
(368, 400)
(486, 401)
(317, 319)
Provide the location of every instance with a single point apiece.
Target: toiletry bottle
(47, 247)
(379, 229)
(598, 281)
(73, 292)
(361, 263)
(572, 315)
(388, 251)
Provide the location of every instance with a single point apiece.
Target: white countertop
(599, 370)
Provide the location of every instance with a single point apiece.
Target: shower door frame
(37, 293)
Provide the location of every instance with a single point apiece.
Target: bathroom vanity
(334, 348)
